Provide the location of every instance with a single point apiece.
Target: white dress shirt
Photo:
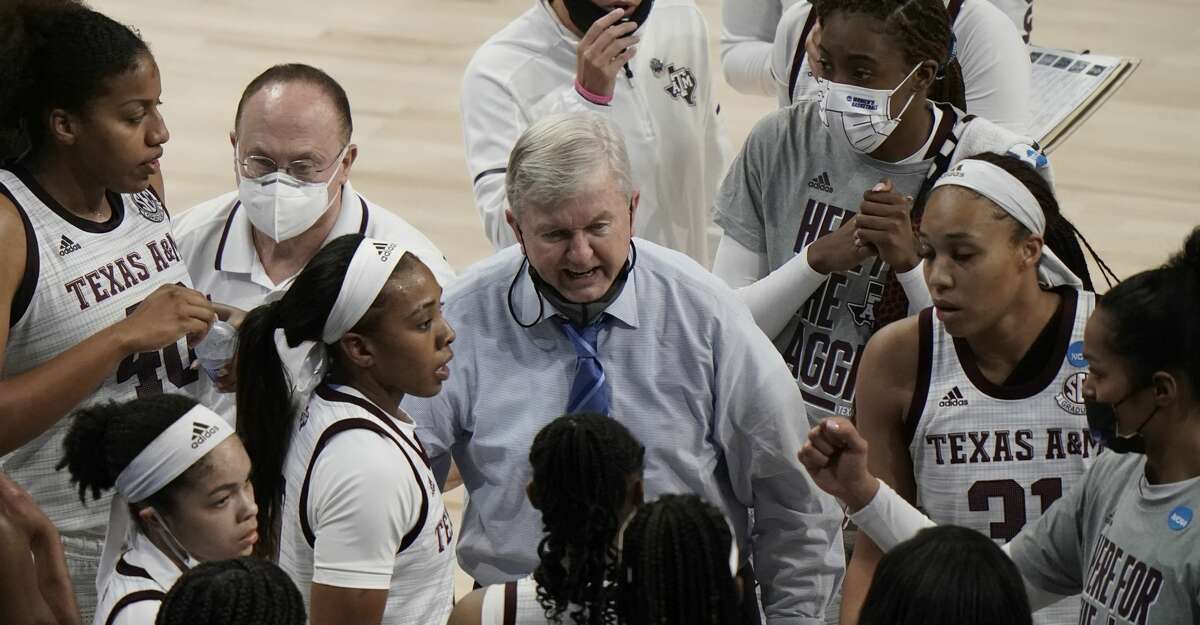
(664, 107)
(692, 378)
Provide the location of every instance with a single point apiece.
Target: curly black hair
(104, 438)
(58, 54)
(581, 469)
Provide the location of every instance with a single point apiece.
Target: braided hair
(58, 54)
(676, 560)
(921, 28)
(581, 469)
(227, 592)
(1060, 235)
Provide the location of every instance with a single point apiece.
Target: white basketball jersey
(992, 457)
(80, 278)
(515, 603)
(422, 580)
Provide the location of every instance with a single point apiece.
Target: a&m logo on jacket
(681, 82)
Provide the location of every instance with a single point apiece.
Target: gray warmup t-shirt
(790, 185)
(1132, 549)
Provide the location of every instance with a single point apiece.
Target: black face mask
(584, 13)
(578, 314)
(1102, 422)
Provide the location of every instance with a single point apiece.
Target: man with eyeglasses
(292, 161)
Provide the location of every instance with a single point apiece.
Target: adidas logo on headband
(201, 432)
(384, 250)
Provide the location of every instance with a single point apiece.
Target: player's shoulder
(1111, 469)
(669, 13)
(204, 219)
(981, 15)
(894, 350)
(485, 278)
(385, 224)
(788, 130)
(15, 238)
(666, 278)
(525, 39)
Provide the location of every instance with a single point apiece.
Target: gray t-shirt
(792, 184)
(1131, 548)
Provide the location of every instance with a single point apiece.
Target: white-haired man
(583, 317)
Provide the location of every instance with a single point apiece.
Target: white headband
(181, 445)
(1014, 198)
(369, 270)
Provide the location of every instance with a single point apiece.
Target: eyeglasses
(305, 170)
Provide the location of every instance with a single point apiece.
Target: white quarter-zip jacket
(663, 104)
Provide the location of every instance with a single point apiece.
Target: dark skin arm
(332, 605)
(890, 362)
(31, 402)
(28, 538)
(469, 611)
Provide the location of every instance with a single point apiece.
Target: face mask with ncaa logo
(860, 117)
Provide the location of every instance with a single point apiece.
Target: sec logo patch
(1071, 397)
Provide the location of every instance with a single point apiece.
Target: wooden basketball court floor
(1129, 178)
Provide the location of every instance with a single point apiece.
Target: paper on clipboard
(1068, 87)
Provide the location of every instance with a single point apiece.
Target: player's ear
(1031, 251)
(1166, 388)
(357, 350)
(64, 127)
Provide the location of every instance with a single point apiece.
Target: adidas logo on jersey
(821, 183)
(66, 246)
(384, 250)
(953, 398)
(201, 432)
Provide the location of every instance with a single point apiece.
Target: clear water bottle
(217, 348)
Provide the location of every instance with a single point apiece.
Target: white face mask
(862, 118)
(283, 207)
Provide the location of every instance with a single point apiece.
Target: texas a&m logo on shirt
(681, 81)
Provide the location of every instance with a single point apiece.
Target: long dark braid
(922, 30)
(1060, 235)
(675, 555)
(245, 590)
(581, 467)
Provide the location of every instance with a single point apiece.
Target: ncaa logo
(1075, 355)
(1071, 397)
(1180, 518)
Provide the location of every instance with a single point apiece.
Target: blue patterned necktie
(589, 391)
